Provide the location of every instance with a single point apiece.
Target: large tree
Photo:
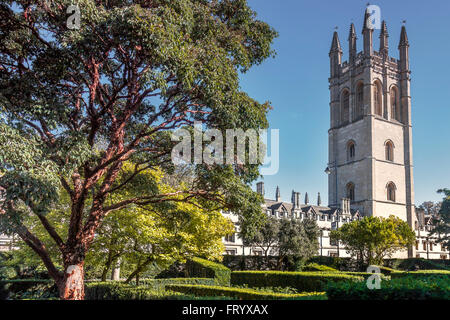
(77, 103)
(372, 239)
(441, 221)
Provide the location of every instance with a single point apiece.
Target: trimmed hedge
(302, 281)
(160, 284)
(422, 274)
(27, 289)
(414, 264)
(318, 267)
(408, 288)
(244, 294)
(201, 268)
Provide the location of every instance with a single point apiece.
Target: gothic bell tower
(370, 135)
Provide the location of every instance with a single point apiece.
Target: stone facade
(370, 144)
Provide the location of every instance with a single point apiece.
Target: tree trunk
(115, 273)
(72, 285)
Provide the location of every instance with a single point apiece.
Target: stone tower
(370, 140)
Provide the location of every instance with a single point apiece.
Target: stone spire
(384, 43)
(319, 201)
(335, 55)
(367, 34)
(278, 195)
(306, 198)
(403, 47)
(352, 43)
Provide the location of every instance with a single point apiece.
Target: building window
(351, 191)
(431, 246)
(389, 150)
(417, 245)
(231, 252)
(359, 100)
(351, 151)
(391, 191)
(394, 104)
(230, 238)
(443, 256)
(345, 107)
(333, 254)
(424, 245)
(378, 98)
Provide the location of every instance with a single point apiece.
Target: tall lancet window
(359, 101)
(394, 104)
(378, 99)
(345, 107)
(351, 191)
(391, 191)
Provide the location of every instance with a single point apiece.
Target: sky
(296, 83)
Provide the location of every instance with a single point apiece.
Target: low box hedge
(148, 289)
(201, 268)
(318, 267)
(27, 289)
(421, 274)
(302, 281)
(243, 294)
(407, 288)
(160, 284)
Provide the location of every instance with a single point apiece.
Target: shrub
(27, 289)
(413, 264)
(201, 268)
(302, 281)
(407, 288)
(122, 291)
(244, 294)
(318, 267)
(422, 274)
(160, 284)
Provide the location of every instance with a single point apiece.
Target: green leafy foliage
(35, 289)
(302, 281)
(197, 267)
(75, 105)
(244, 294)
(372, 239)
(318, 267)
(423, 274)
(441, 222)
(407, 288)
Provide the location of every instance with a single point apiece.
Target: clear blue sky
(296, 82)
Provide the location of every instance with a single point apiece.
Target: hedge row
(201, 268)
(160, 284)
(27, 289)
(302, 281)
(408, 288)
(244, 294)
(318, 267)
(421, 274)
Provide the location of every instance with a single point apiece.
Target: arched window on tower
(351, 151)
(345, 103)
(395, 110)
(359, 100)
(378, 98)
(389, 150)
(351, 191)
(391, 191)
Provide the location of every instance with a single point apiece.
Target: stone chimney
(295, 199)
(278, 195)
(319, 200)
(306, 198)
(260, 188)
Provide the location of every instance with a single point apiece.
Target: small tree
(297, 239)
(372, 239)
(441, 222)
(267, 236)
